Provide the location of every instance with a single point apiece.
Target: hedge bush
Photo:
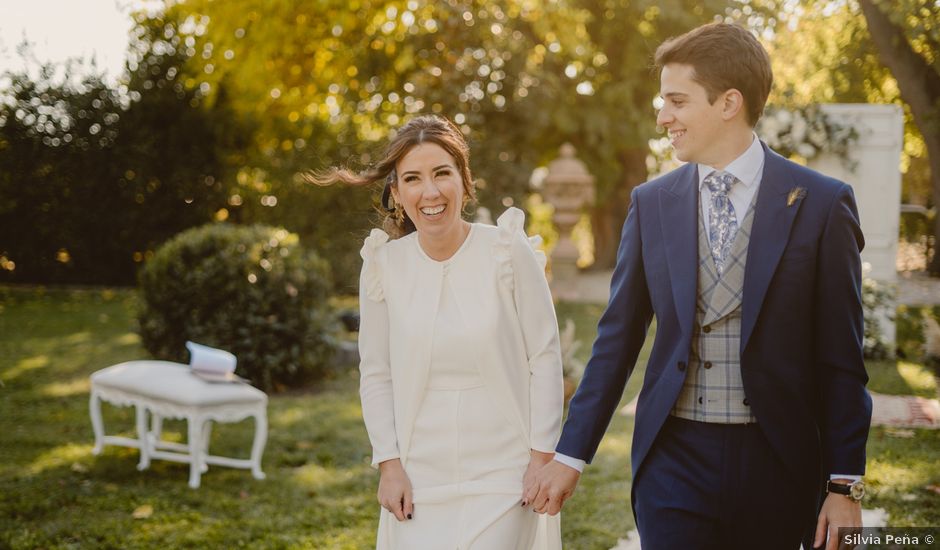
(252, 290)
(910, 331)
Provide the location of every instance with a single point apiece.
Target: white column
(876, 180)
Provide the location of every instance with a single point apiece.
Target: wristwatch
(854, 490)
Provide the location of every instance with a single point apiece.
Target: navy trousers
(710, 486)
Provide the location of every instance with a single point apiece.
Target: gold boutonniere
(796, 194)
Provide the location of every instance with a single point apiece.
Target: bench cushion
(173, 383)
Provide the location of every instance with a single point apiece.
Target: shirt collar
(747, 167)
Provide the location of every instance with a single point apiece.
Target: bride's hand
(536, 461)
(395, 489)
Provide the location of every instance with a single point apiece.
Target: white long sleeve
(542, 344)
(375, 384)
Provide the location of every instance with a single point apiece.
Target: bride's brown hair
(423, 129)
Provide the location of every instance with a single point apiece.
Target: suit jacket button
(706, 329)
(681, 365)
(707, 365)
(746, 402)
(699, 400)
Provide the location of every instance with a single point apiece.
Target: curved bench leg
(142, 437)
(97, 424)
(206, 436)
(194, 439)
(261, 438)
(156, 429)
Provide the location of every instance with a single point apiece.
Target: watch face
(857, 490)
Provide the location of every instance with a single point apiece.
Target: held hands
(551, 486)
(837, 511)
(536, 461)
(395, 489)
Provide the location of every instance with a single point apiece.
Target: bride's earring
(399, 213)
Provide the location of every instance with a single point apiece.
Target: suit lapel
(678, 204)
(773, 219)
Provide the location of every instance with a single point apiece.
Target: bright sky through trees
(63, 29)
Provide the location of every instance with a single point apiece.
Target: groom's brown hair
(724, 56)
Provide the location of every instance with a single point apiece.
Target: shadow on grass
(57, 494)
(318, 481)
(901, 378)
(320, 489)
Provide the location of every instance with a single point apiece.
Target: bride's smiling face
(430, 189)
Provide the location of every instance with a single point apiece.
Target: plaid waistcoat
(713, 390)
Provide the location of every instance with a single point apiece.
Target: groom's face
(695, 126)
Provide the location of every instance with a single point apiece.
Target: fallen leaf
(933, 488)
(243, 494)
(143, 512)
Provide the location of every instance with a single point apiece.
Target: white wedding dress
(460, 368)
(466, 461)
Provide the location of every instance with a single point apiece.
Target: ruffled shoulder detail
(371, 271)
(511, 226)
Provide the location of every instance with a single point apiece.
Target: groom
(753, 417)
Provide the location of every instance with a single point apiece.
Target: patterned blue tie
(722, 223)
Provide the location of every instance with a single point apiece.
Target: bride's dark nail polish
(409, 516)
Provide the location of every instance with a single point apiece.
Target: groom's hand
(837, 511)
(554, 483)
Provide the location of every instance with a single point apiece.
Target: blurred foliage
(910, 330)
(877, 300)
(328, 81)
(251, 290)
(92, 178)
(823, 53)
(224, 105)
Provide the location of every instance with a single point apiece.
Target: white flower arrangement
(878, 306)
(805, 132)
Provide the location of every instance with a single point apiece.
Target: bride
(461, 380)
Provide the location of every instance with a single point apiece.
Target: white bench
(168, 390)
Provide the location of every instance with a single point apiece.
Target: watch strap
(854, 490)
(838, 488)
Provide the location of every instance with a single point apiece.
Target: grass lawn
(319, 492)
(903, 466)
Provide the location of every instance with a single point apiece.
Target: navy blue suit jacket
(801, 333)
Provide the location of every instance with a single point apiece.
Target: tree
(235, 100)
(907, 36)
(93, 178)
(615, 122)
(326, 80)
(823, 52)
